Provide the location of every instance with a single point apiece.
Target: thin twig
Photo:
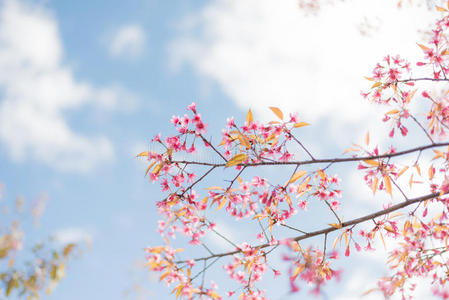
(213, 148)
(225, 238)
(300, 144)
(333, 211)
(423, 129)
(293, 228)
(399, 188)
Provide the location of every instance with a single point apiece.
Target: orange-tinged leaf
(392, 112)
(249, 117)
(410, 96)
(302, 186)
(387, 183)
(407, 225)
(392, 216)
(236, 160)
(445, 52)
(178, 293)
(259, 216)
(369, 291)
(442, 9)
(439, 154)
(374, 185)
(11, 263)
(222, 142)
(335, 225)
(141, 154)
(288, 200)
(368, 78)
(367, 138)
(157, 250)
(418, 169)
(410, 181)
(371, 162)
(214, 188)
(301, 124)
(335, 242)
(297, 176)
(222, 203)
(389, 228)
(149, 167)
(277, 112)
(424, 48)
(402, 171)
(298, 270)
(158, 168)
(322, 174)
(68, 249)
(377, 84)
(166, 273)
(383, 241)
(272, 136)
(431, 172)
(244, 141)
(345, 235)
(350, 149)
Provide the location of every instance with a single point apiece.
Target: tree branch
(331, 229)
(324, 160)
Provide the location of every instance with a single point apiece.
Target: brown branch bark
(324, 160)
(331, 229)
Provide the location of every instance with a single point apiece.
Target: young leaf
(277, 112)
(392, 112)
(431, 172)
(301, 124)
(222, 203)
(249, 117)
(236, 160)
(410, 96)
(374, 185)
(244, 141)
(149, 167)
(387, 183)
(350, 149)
(141, 154)
(424, 48)
(371, 162)
(297, 176)
(335, 225)
(402, 171)
(377, 84)
(158, 168)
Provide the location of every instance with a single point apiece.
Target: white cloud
(37, 88)
(128, 41)
(264, 53)
(73, 235)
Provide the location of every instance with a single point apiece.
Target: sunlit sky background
(85, 85)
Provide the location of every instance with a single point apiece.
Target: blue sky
(87, 84)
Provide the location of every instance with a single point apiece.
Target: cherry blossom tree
(27, 272)
(418, 224)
